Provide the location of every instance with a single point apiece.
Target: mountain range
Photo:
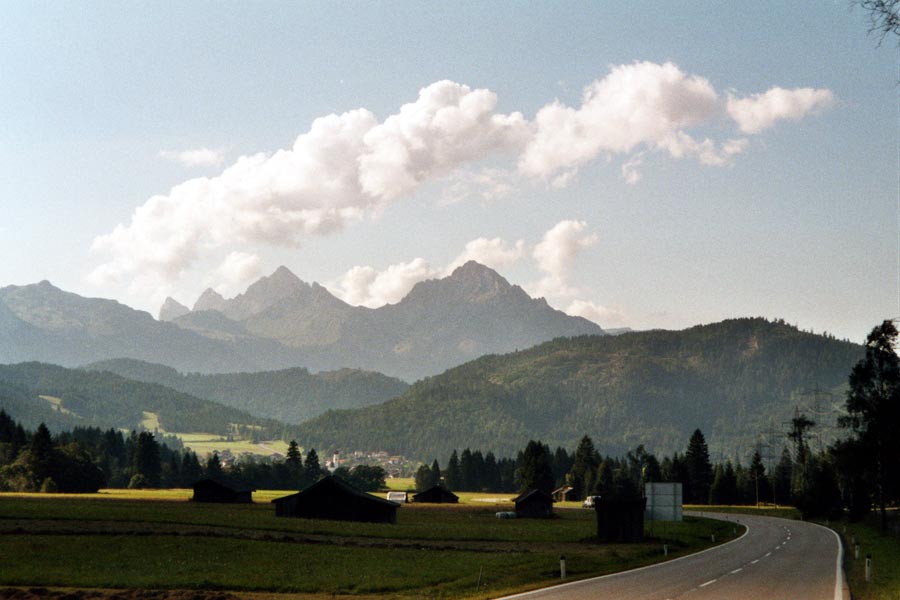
(281, 322)
(738, 381)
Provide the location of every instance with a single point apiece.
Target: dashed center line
(753, 562)
(768, 554)
(710, 582)
(738, 570)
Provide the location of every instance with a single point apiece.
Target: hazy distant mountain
(172, 309)
(439, 324)
(281, 322)
(734, 380)
(291, 395)
(41, 322)
(209, 300)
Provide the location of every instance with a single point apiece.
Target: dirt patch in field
(45, 593)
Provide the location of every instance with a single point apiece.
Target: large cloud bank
(352, 165)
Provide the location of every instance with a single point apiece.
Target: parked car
(589, 501)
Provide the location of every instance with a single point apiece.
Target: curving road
(775, 559)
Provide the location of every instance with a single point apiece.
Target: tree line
(86, 459)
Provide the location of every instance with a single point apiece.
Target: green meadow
(158, 540)
(885, 552)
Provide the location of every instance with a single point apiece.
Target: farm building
(332, 498)
(620, 520)
(398, 497)
(534, 503)
(210, 490)
(436, 495)
(564, 494)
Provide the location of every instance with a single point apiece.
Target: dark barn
(620, 520)
(436, 495)
(331, 498)
(534, 503)
(210, 490)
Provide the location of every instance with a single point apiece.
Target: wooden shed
(212, 490)
(620, 520)
(534, 504)
(335, 499)
(436, 495)
(565, 494)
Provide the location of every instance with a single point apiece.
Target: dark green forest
(734, 380)
(289, 395)
(103, 399)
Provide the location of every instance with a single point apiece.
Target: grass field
(207, 443)
(157, 540)
(885, 551)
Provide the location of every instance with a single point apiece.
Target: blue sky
(641, 164)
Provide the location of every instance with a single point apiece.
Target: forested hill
(290, 395)
(28, 391)
(732, 379)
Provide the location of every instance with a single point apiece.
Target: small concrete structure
(398, 497)
(211, 490)
(534, 504)
(335, 499)
(436, 495)
(620, 520)
(664, 501)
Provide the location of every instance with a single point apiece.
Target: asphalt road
(776, 559)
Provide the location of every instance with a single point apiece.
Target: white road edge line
(838, 570)
(659, 564)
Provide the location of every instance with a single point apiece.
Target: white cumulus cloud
(757, 112)
(366, 286)
(601, 315)
(197, 157)
(237, 271)
(343, 168)
(349, 166)
(555, 256)
(495, 253)
(639, 104)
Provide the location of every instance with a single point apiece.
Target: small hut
(534, 504)
(436, 495)
(564, 494)
(211, 490)
(620, 520)
(335, 499)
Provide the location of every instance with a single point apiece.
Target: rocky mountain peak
(172, 309)
(210, 300)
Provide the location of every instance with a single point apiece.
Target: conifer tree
(436, 473)
(699, 469)
(873, 412)
(454, 477)
(312, 470)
